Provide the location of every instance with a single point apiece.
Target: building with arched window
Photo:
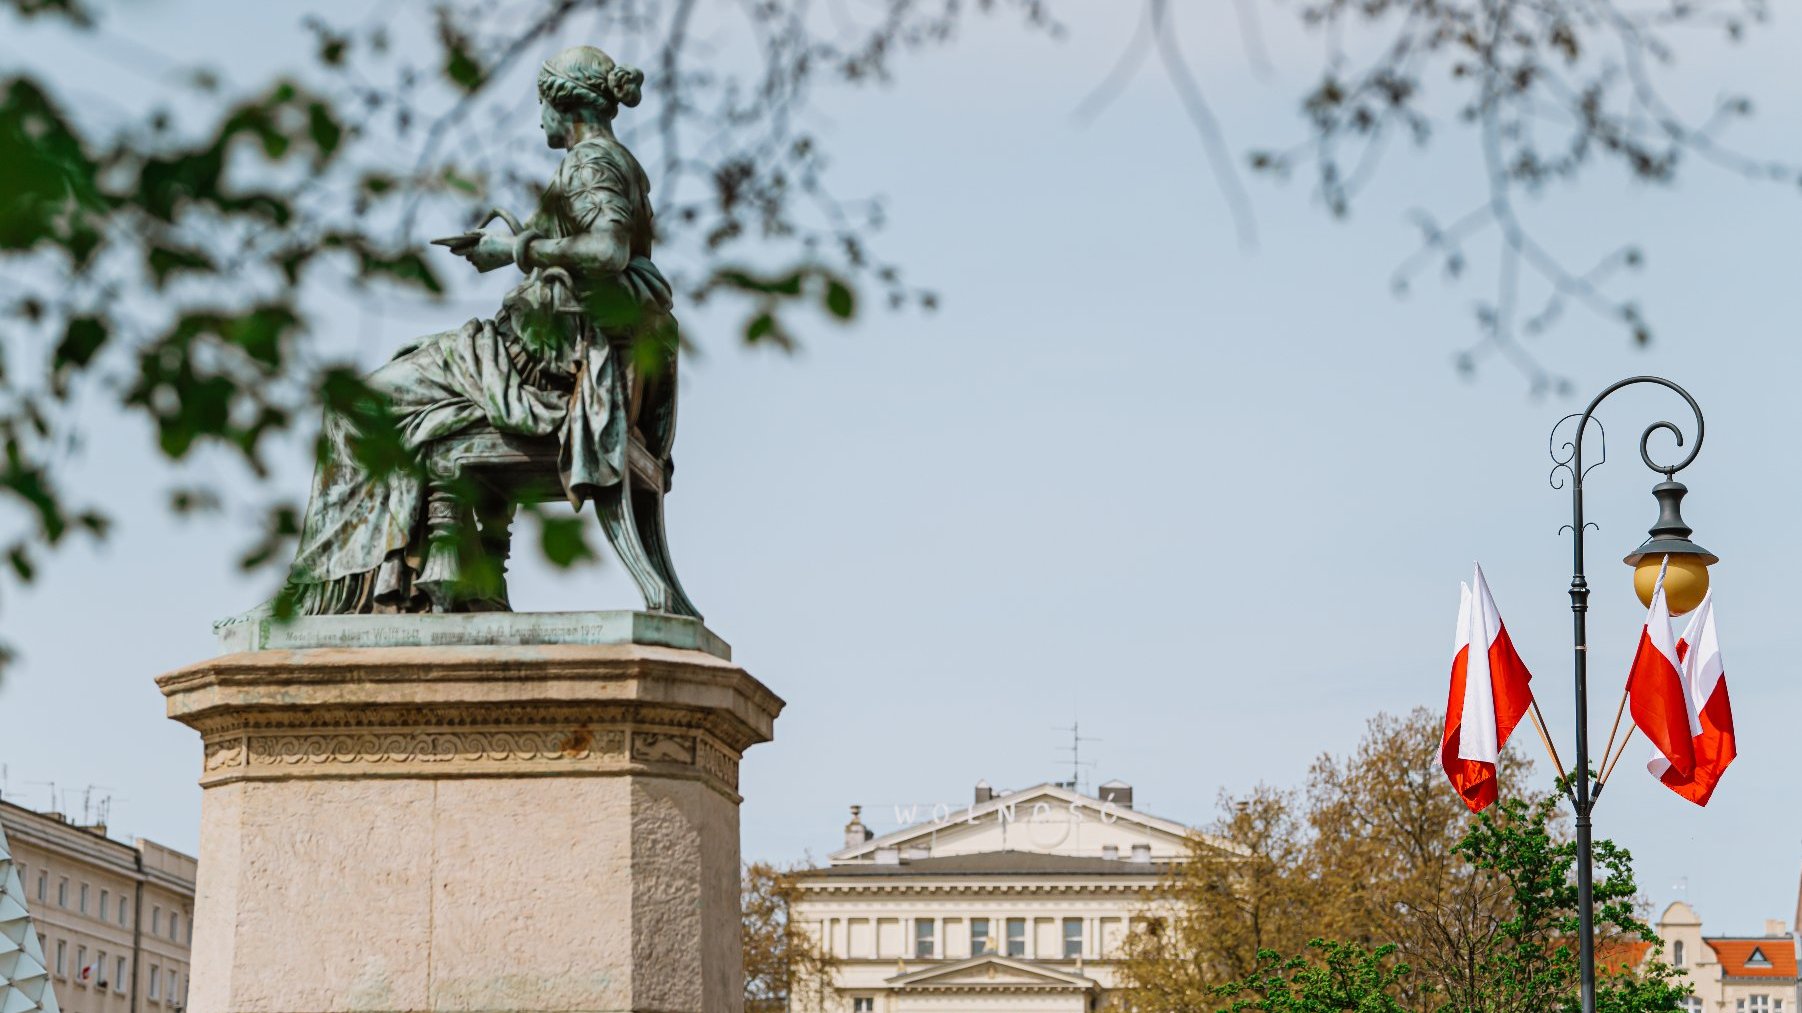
(1731, 974)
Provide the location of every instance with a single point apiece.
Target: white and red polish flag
(1489, 696)
(1704, 679)
(1655, 691)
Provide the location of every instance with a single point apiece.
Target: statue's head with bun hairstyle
(584, 85)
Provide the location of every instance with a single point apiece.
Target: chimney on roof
(1118, 792)
(983, 791)
(1775, 927)
(855, 832)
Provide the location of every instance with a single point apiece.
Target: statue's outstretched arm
(600, 252)
(482, 248)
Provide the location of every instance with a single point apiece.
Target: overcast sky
(1212, 503)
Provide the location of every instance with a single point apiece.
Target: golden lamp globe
(1685, 581)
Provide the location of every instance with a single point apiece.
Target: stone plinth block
(432, 823)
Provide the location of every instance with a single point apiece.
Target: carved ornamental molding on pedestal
(570, 746)
(258, 722)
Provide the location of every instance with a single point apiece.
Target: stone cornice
(471, 676)
(472, 711)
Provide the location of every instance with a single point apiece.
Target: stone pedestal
(483, 812)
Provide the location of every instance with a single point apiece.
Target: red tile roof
(1780, 951)
(1612, 953)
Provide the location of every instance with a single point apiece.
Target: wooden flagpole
(1609, 748)
(1609, 772)
(1539, 726)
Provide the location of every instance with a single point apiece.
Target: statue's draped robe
(362, 542)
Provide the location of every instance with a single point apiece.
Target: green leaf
(563, 540)
(408, 268)
(21, 563)
(164, 261)
(81, 342)
(51, 184)
(841, 302)
(324, 128)
(781, 285)
(456, 181)
(460, 64)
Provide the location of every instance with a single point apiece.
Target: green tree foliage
(1343, 978)
(1377, 890)
(1530, 962)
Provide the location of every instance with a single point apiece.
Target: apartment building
(115, 919)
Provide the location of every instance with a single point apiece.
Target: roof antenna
(1077, 763)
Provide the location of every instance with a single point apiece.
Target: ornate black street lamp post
(1686, 581)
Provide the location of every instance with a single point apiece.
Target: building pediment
(993, 971)
(1047, 819)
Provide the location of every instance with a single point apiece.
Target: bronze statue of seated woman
(568, 392)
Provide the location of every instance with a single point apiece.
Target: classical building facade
(1731, 974)
(114, 919)
(1018, 901)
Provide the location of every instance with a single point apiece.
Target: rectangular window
(62, 892)
(1072, 937)
(980, 943)
(105, 896)
(156, 982)
(923, 937)
(175, 925)
(62, 959)
(1016, 937)
(863, 1004)
(43, 886)
(119, 977)
(156, 920)
(82, 970)
(122, 911)
(100, 969)
(84, 898)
